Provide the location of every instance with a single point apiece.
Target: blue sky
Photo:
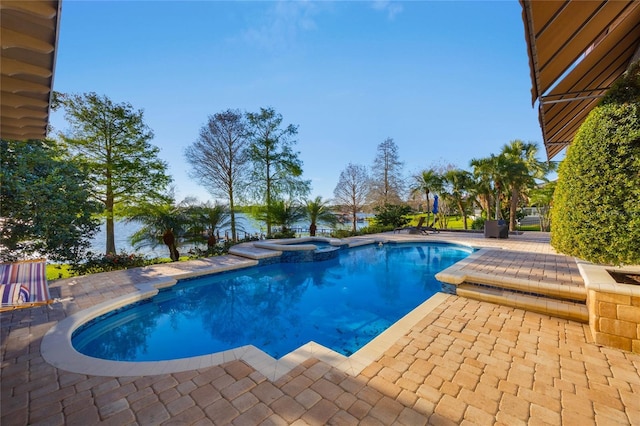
(448, 81)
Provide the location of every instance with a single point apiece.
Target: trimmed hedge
(596, 210)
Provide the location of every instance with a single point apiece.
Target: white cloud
(391, 7)
(280, 26)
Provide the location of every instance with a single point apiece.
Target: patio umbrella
(434, 210)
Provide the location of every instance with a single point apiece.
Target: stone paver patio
(466, 362)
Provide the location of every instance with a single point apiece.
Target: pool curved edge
(57, 350)
(301, 244)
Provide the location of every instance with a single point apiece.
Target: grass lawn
(454, 222)
(57, 271)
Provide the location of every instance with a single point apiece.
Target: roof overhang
(29, 39)
(577, 49)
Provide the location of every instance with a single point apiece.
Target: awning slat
(29, 40)
(576, 47)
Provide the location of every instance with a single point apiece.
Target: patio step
(541, 303)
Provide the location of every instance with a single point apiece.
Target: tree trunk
(463, 213)
(312, 230)
(211, 241)
(428, 208)
(111, 242)
(485, 204)
(234, 236)
(268, 195)
(170, 241)
(355, 220)
(512, 209)
(109, 203)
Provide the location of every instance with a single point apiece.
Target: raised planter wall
(614, 320)
(614, 309)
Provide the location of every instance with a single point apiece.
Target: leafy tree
(596, 213)
(351, 190)
(112, 142)
(386, 179)
(318, 211)
(219, 158)
(427, 182)
(277, 170)
(45, 204)
(392, 215)
(458, 183)
(164, 223)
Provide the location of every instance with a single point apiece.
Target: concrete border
(57, 350)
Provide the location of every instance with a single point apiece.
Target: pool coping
(298, 244)
(57, 350)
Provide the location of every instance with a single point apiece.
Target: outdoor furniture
(496, 229)
(418, 229)
(23, 284)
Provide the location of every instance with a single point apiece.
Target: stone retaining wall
(614, 308)
(614, 320)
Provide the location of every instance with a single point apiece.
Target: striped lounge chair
(23, 284)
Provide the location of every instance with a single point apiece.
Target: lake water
(245, 224)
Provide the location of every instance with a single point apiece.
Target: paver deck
(466, 362)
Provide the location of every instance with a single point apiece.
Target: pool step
(549, 304)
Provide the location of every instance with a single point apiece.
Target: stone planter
(614, 308)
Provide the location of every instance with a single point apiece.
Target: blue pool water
(341, 303)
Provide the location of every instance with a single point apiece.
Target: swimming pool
(341, 303)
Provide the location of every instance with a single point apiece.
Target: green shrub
(342, 233)
(216, 250)
(375, 229)
(392, 215)
(109, 262)
(371, 229)
(596, 210)
(478, 223)
(287, 233)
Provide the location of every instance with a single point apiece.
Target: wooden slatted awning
(577, 49)
(29, 38)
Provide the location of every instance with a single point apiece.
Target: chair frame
(419, 228)
(22, 272)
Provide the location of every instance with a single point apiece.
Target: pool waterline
(70, 359)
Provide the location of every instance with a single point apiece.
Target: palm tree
(521, 173)
(459, 182)
(161, 224)
(206, 219)
(318, 210)
(285, 214)
(491, 174)
(481, 191)
(542, 199)
(425, 183)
